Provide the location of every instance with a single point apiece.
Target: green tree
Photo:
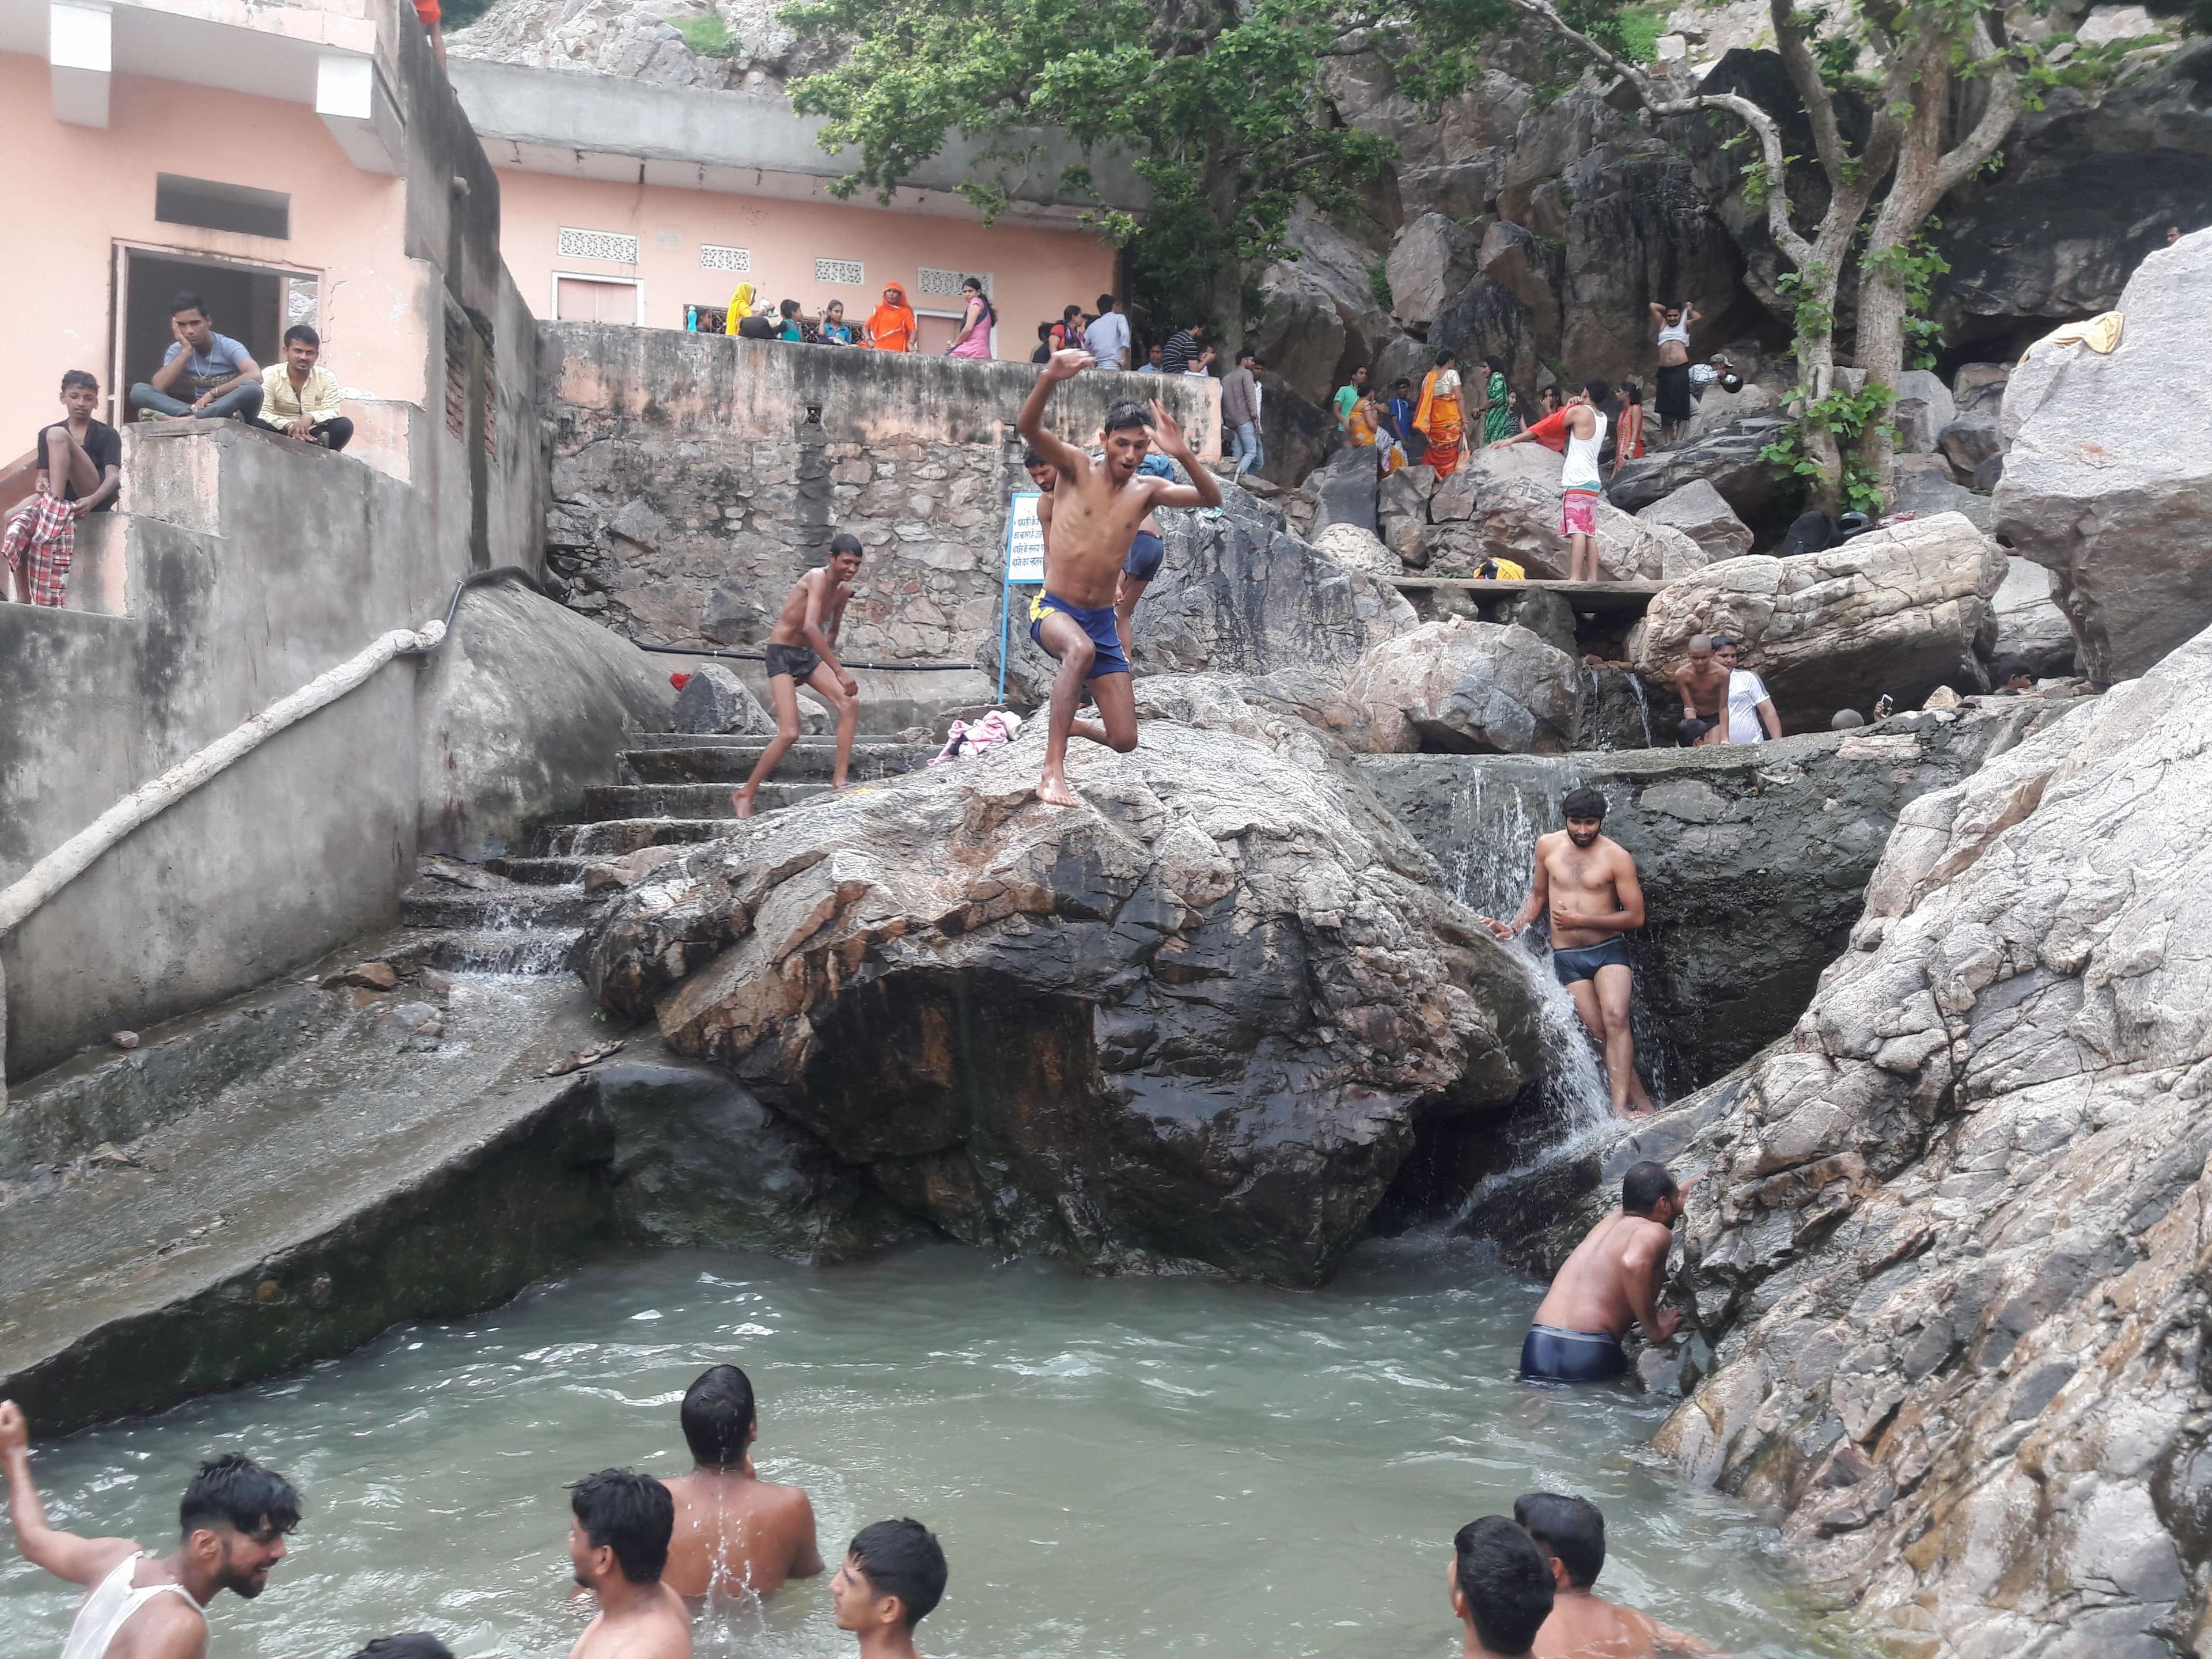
(1215, 103)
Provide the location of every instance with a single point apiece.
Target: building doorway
(597, 300)
(252, 304)
(935, 332)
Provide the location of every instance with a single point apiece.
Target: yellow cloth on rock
(2101, 334)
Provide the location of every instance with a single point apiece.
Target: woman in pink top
(976, 322)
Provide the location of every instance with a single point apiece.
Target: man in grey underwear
(1613, 1280)
(233, 1523)
(802, 650)
(1589, 883)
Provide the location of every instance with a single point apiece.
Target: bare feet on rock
(1052, 789)
(743, 802)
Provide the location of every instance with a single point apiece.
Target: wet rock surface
(1194, 1022)
(1949, 1236)
(1896, 611)
(1754, 859)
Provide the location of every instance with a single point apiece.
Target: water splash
(1643, 706)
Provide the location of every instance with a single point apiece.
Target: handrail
(50, 874)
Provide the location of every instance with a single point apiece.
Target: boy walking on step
(1097, 508)
(802, 648)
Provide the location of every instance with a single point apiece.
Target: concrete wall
(695, 477)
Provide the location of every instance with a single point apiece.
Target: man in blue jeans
(205, 374)
(1240, 412)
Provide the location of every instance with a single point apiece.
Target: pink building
(628, 203)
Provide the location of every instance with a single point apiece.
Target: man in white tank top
(1581, 484)
(234, 1519)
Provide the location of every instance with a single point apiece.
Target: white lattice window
(607, 245)
(714, 257)
(947, 282)
(844, 273)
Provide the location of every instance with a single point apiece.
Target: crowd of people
(204, 376)
(649, 1557)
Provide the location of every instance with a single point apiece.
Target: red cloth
(1551, 431)
(428, 10)
(43, 537)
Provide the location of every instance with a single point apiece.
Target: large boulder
(1433, 258)
(1461, 687)
(1359, 550)
(1893, 610)
(1192, 1022)
(1727, 459)
(2109, 471)
(1923, 409)
(1344, 488)
(1702, 513)
(2030, 624)
(1969, 441)
(1720, 408)
(1949, 1240)
(1516, 515)
(714, 700)
(1511, 257)
(1319, 318)
(1925, 487)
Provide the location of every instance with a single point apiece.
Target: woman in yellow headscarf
(1441, 418)
(741, 306)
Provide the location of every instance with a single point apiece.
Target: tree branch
(1798, 251)
(1812, 91)
(1997, 117)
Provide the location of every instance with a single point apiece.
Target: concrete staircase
(520, 914)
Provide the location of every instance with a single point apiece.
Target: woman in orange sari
(892, 325)
(1441, 418)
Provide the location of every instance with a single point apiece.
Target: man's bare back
(736, 1535)
(1613, 1273)
(1584, 888)
(1586, 1625)
(656, 1626)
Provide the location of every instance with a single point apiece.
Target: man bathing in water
(802, 647)
(1613, 1279)
(735, 1533)
(1589, 883)
(1098, 509)
(618, 1545)
(232, 1522)
(1570, 1533)
(1703, 685)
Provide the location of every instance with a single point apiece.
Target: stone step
(511, 904)
(614, 836)
(537, 951)
(689, 800)
(733, 763)
(372, 1177)
(546, 870)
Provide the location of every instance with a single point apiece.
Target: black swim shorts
(1551, 1354)
(797, 660)
(1584, 963)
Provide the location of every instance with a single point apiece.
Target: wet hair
(630, 1513)
(1582, 803)
(1596, 391)
(1506, 1583)
(234, 1490)
(718, 1411)
(183, 300)
(418, 1645)
(1688, 733)
(843, 542)
(1123, 416)
(901, 1558)
(1572, 1528)
(83, 377)
(1644, 1185)
(1846, 720)
(1105, 304)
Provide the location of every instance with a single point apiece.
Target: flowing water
(1119, 1468)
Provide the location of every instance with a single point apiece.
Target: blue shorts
(1097, 622)
(1144, 556)
(1553, 1355)
(1584, 963)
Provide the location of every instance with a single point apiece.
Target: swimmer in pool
(894, 1574)
(618, 1545)
(735, 1533)
(1099, 507)
(1571, 1533)
(1589, 885)
(1613, 1280)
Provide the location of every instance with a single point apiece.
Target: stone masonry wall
(694, 478)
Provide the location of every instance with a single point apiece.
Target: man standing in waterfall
(735, 1533)
(1611, 1281)
(1589, 883)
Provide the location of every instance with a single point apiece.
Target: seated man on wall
(219, 373)
(79, 462)
(299, 397)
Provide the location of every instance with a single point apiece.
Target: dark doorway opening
(252, 304)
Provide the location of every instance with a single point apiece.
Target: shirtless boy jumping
(1612, 1281)
(802, 647)
(1590, 884)
(1098, 507)
(1703, 685)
